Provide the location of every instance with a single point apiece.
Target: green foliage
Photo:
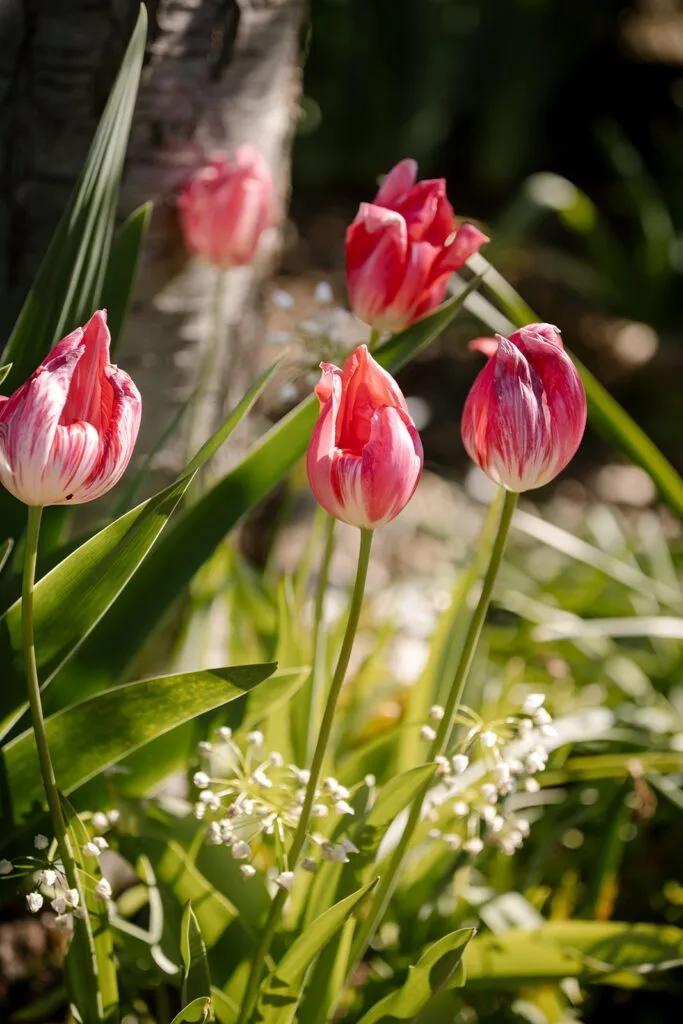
(196, 975)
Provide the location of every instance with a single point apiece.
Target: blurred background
(557, 125)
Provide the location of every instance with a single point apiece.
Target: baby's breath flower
(58, 904)
(214, 836)
(461, 809)
(204, 747)
(323, 293)
(41, 842)
(276, 759)
(427, 733)
(460, 763)
(349, 846)
(112, 816)
(309, 865)
(247, 870)
(91, 849)
(80, 913)
(489, 739)
(34, 902)
(62, 922)
(342, 807)
(241, 850)
(453, 840)
(532, 785)
(201, 780)
(489, 792)
(100, 821)
(48, 876)
(224, 733)
(255, 738)
(318, 810)
(335, 853)
(436, 712)
(473, 846)
(532, 703)
(100, 842)
(285, 880)
(261, 779)
(434, 833)
(103, 890)
(443, 765)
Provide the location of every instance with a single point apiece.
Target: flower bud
(526, 412)
(67, 434)
(226, 207)
(365, 456)
(402, 248)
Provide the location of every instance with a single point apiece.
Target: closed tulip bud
(226, 207)
(526, 413)
(67, 434)
(402, 248)
(365, 456)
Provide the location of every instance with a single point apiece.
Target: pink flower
(67, 434)
(401, 250)
(526, 413)
(365, 456)
(225, 208)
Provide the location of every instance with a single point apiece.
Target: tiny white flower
(536, 761)
(334, 853)
(549, 731)
(41, 842)
(46, 877)
(319, 811)
(436, 712)
(542, 717)
(6, 867)
(342, 807)
(261, 779)
(461, 809)
(214, 836)
(91, 849)
(497, 823)
(453, 840)
(523, 827)
(434, 833)
(488, 813)
(349, 846)
(443, 765)
(474, 846)
(58, 904)
(113, 816)
(342, 793)
(285, 880)
(199, 810)
(247, 870)
(427, 733)
(100, 842)
(80, 913)
(460, 763)
(34, 902)
(323, 293)
(241, 850)
(489, 739)
(103, 890)
(532, 785)
(100, 821)
(302, 775)
(62, 922)
(532, 703)
(282, 299)
(204, 747)
(330, 784)
(224, 733)
(309, 865)
(370, 781)
(201, 780)
(72, 897)
(248, 806)
(255, 738)
(276, 759)
(525, 726)
(489, 793)
(502, 772)
(208, 797)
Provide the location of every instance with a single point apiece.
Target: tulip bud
(225, 208)
(526, 413)
(365, 456)
(401, 250)
(67, 434)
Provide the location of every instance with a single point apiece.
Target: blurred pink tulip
(526, 412)
(365, 456)
(67, 434)
(226, 206)
(401, 250)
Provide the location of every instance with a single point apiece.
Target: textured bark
(217, 73)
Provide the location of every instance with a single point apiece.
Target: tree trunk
(217, 73)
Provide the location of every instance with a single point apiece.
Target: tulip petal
(75, 451)
(119, 437)
(376, 253)
(84, 401)
(365, 386)
(468, 240)
(391, 465)
(397, 182)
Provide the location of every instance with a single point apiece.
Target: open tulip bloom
(365, 456)
(402, 248)
(67, 434)
(525, 415)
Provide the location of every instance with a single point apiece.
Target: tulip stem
(209, 362)
(319, 637)
(375, 338)
(275, 911)
(33, 686)
(387, 885)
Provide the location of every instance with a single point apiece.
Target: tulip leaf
(90, 965)
(227, 1011)
(122, 268)
(196, 1012)
(434, 970)
(68, 286)
(5, 372)
(196, 534)
(284, 987)
(196, 975)
(599, 952)
(88, 737)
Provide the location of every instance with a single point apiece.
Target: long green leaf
(284, 987)
(196, 976)
(433, 971)
(68, 286)
(122, 267)
(88, 737)
(608, 953)
(197, 1012)
(195, 536)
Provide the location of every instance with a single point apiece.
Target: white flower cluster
(49, 885)
(247, 795)
(482, 775)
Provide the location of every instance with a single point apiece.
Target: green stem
(208, 360)
(319, 636)
(375, 338)
(387, 885)
(33, 687)
(272, 921)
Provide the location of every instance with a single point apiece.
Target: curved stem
(375, 338)
(299, 839)
(319, 637)
(387, 885)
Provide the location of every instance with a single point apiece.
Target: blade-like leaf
(226, 1010)
(601, 952)
(5, 372)
(196, 976)
(433, 971)
(122, 269)
(68, 286)
(197, 1012)
(90, 736)
(284, 987)
(107, 653)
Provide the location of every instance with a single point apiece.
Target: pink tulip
(226, 207)
(526, 413)
(67, 434)
(401, 250)
(365, 456)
